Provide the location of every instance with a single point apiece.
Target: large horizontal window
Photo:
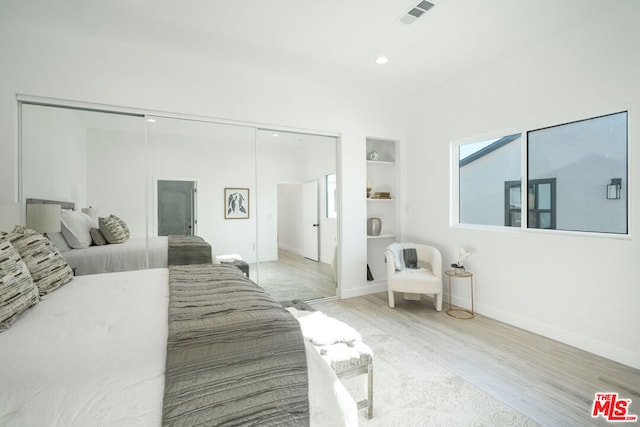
(584, 157)
(484, 167)
(576, 178)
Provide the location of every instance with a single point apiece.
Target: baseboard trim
(372, 288)
(296, 251)
(606, 350)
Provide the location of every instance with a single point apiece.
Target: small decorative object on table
(460, 255)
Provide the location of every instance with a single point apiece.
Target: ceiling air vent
(416, 12)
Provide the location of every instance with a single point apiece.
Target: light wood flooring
(294, 277)
(551, 383)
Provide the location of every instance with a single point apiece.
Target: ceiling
(334, 40)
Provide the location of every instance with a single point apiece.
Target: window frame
(454, 181)
(508, 185)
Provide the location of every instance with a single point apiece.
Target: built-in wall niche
(383, 216)
(113, 162)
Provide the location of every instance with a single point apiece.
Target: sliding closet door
(219, 160)
(286, 163)
(90, 158)
(247, 185)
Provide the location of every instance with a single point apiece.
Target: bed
(95, 352)
(135, 253)
(127, 256)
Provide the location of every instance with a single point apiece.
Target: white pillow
(59, 241)
(76, 227)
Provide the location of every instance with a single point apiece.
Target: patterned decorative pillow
(123, 224)
(97, 237)
(48, 268)
(17, 290)
(112, 230)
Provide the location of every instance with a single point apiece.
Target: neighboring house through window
(576, 177)
(541, 202)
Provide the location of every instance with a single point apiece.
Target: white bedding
(93, 353)
(128, 256)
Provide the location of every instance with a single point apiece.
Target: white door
(310, 223)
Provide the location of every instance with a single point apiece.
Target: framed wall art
(236, 202)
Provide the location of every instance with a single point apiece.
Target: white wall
(53, 63)
(290, 236)
(54, 145)
(215, 156)
(116, 176)
(580, 290)
(278, 163)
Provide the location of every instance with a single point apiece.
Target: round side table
(468, 314)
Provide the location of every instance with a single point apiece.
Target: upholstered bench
(354, 366)
(236, 260)
(341, 347)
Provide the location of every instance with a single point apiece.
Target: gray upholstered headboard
(63, 205)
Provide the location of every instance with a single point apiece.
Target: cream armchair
(427, 279)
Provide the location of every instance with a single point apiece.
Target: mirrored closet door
(297, 214)
(218, 161)
(266, 197)
(87, 158)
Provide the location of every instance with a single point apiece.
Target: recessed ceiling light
(151, 120)
(274, 134)
(382, 60)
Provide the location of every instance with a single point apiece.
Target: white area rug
(410, 389)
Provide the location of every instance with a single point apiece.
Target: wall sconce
(614, 188)
(43, 218)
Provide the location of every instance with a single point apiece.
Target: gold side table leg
(449, 294)
(470, 314)
(473, 311)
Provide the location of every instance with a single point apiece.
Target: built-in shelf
(381, 162)
(382, 177)
(383, 236)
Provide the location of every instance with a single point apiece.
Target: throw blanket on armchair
(404, 254)
(235, 356)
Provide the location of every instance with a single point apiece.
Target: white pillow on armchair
(76, 227)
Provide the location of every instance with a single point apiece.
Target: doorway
(310, 220)
(297, 239)
(176, 207)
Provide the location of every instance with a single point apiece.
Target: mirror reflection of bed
(93, 244)
(114, 161)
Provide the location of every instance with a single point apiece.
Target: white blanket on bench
(336, 341)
